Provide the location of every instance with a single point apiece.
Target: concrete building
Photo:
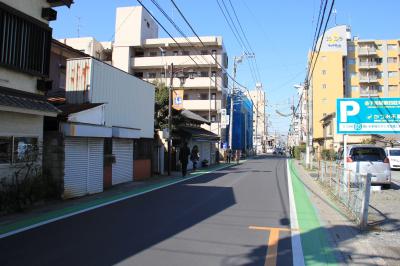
(298, 128)
(138, 50)
(259, 119)
(349, 67)
(24, 78)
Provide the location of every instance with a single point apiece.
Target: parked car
(369, 159)
(394, 157)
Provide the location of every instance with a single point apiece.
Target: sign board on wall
(368, 116)
(177, 99)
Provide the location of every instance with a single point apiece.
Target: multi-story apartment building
(259, 123)
(349, 67)
(24, 78)
(138, 50)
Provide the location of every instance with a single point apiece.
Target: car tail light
(386, 160)
(349, 160)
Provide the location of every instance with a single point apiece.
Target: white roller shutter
(75, 168)
(122, 169)
(95, 174)
(83, 171)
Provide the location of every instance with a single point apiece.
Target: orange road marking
(272, 251)
(273, 239)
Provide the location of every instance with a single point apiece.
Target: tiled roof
(25, 100)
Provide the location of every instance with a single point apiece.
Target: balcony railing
(368, 91)
(197, 82)
(368, 78)
(201, 105)
(178, 60)
(367, 51)
(368, 65)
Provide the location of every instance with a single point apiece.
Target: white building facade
(259, 119)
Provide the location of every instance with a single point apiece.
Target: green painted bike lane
(314, 239)
(55, 215)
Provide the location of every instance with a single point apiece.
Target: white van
(369, 159)
(394, 157)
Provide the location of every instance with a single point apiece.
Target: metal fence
(350, 188)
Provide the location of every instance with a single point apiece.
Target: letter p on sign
(348, 108)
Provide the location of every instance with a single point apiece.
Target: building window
(152, 54)
(324, 100)
(138, 74)
(5, 150)
(185, 53)
(203, 74)
(139, 53)
(323, 72)
(175, 53)
(379, 46)
(151, 75)
(392, 60)
(213, 74)
(24, 43)
(351, 48)
(393, 87)
(186, 96)
(213, 118)
(18, 149)
(324, 86)
(378, 60)
(351, 61)
(213, 96)
(392, 74)
(204, 52)
(354, 88)
(162, 75)
(214, 52)
(203, 96)
(391, 47)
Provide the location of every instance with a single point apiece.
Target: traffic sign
(368, 116)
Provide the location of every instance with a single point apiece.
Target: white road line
(297, 250)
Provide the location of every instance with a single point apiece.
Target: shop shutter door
(95, 173)
(122, 169)
(75, 169)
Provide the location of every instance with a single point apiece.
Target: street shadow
(318, 248)
(114, 233)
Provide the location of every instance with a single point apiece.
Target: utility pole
(170, 119)
(231, 103)
(306, 91)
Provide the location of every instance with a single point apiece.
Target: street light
(182, 78)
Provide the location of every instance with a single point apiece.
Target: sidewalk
(56, 210)
(348, 244)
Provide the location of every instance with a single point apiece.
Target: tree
(161, 107)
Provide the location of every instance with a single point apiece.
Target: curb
(56, 215)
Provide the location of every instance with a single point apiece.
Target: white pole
(345, 151)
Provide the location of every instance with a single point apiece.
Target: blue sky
(280, 33)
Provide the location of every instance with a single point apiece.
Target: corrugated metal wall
(77, 85)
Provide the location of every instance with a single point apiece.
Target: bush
(27, 186)
(328, 155)
(298, 150)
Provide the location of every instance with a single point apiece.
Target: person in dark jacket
(184, 153)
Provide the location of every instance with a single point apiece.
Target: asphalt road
(203, 221)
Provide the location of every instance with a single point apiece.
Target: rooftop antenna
(335, 13)
(78, 26)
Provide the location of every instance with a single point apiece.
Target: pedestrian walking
(194, 156)
(228, 155)
(184, 153)
(238, 152)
